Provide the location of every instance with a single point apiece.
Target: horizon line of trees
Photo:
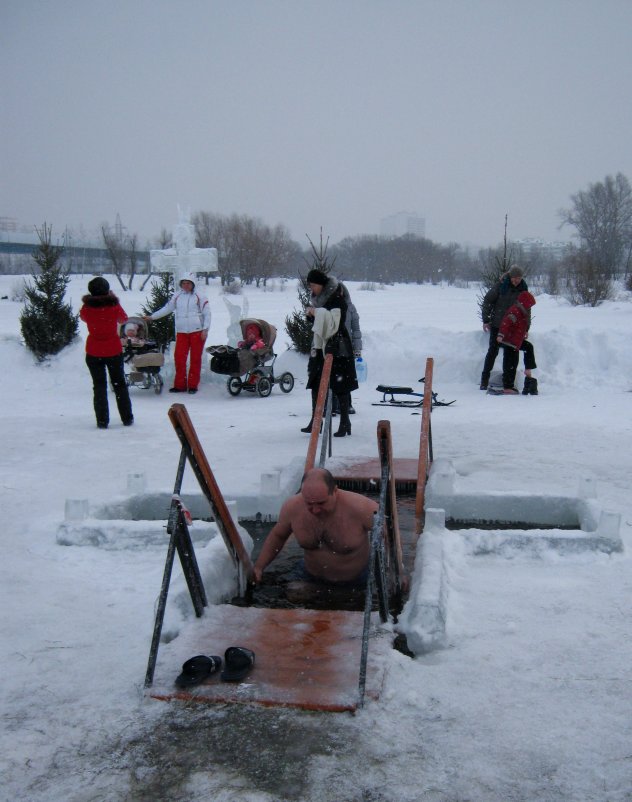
(252, 252)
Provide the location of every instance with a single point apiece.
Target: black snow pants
(100, 367)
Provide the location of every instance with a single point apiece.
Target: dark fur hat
(98, 286)
(317, 277)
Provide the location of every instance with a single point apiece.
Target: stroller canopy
(268, 331)
(126, 328)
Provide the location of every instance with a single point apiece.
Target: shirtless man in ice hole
(332, 526)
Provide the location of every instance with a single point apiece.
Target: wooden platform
(367, 470)
(303, 658)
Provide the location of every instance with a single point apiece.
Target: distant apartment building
(531, 245)
(402, 224)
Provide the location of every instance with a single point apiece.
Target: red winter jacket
(514, 326)
(102, 314)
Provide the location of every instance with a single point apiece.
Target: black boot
(344, 428)
(345, 424)
(533, 390)
(526, 388)
(308, 429)
(484, 381)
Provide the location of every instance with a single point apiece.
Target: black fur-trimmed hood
(99, 301)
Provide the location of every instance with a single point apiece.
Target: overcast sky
(313, 113)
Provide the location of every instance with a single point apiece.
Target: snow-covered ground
(531, 697)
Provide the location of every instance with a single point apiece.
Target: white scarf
(326, 324)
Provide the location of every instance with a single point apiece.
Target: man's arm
(487, 307)
(275, 541)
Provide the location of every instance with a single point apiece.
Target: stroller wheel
(234, 385)
(264, 386)
(159, 384)
(286, 382)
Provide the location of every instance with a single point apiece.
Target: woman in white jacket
(193, 319)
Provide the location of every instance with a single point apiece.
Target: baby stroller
(141, 356)
(250, 370)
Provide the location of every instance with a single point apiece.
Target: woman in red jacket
(102, 313)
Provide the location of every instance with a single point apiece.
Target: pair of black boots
(530, 386)
(344, 428)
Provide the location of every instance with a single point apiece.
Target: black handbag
(226, 363)
(339, 346)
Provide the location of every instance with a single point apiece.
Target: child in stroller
(141, 355)
(250, 366)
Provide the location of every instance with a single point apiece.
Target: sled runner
(389, 400)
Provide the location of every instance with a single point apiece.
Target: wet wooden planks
(368, 470)
(304, 658)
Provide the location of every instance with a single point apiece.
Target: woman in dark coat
(102, 313)
(328, 308)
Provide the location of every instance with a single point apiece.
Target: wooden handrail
(425, 449)
(394, 540)
(185, 430)
(318, 412)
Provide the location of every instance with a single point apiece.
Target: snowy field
(531, 698)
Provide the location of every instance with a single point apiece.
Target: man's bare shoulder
(293, 505)
(358, 502)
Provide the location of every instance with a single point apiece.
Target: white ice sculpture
(236, 313)
(184, 257)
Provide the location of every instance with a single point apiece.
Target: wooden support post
(318, 413)
(424, 450)
(188, 437)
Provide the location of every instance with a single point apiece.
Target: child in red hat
(254, 339)
(512, 337)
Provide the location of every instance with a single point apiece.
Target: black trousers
(492, 353)
(511, 358)
(100, 367)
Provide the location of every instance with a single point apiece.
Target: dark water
(279, 587)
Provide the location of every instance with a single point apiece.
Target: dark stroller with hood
(251, 366)
(142, 356)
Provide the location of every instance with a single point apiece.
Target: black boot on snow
(530, 386)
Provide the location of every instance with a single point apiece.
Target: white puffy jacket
(192, 311)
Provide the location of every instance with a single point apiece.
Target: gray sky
(313, 113)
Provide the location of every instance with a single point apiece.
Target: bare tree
(165, 239)
(602, 217)
(116, 252)
(586, 283)
(122, 251)
(217, 231)
(132, 256)
(246, 246)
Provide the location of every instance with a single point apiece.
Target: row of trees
(254, 252)
(248, 249)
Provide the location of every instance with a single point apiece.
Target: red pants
(193, 345)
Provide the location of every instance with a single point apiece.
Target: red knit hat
(252, 328)
(526, 299)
